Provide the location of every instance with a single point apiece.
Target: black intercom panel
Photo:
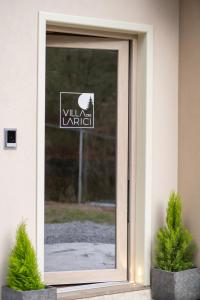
(10, 138)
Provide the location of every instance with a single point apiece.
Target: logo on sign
(76, 110)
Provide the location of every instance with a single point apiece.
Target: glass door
(86, 156)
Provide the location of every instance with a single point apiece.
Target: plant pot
(45, 294)
(183, 285)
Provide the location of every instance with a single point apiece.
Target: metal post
(80, 166)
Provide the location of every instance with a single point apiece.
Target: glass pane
(80, 159)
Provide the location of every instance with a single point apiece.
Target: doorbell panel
(10, 138)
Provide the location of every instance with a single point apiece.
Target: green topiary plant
(175, 248)
(23, 273)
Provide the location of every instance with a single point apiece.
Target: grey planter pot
(45, 294)
(183, 285)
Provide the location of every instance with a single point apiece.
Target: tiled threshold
(117, 291)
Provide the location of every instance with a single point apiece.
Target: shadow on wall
(8, 244)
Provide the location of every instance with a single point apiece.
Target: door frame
(140, 142)
(120, 272)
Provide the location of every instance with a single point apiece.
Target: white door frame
(143, 174)
(119, 273)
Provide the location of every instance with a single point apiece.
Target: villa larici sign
(76, 110)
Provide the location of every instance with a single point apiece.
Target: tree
(23, 273)
(175, 248)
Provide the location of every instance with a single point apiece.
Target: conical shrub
(23, 273)
(174, 249)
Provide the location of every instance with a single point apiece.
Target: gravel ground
(86, 232)
(79, 256)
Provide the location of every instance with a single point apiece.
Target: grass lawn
(56, 212)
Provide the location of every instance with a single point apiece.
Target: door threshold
(97, 289)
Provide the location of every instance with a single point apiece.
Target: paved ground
(86, 232)
(79, 246)
(79, 256)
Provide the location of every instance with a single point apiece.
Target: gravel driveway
(86, 232)
(79, 256)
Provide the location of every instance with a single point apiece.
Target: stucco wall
(18, 86)
(189, 115)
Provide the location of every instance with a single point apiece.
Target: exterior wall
(189, 115)
(18, 105)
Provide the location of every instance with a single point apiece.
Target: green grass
(61, 213)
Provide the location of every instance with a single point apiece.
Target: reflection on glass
(80, 164)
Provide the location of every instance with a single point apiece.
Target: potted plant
(174, 276)
(24, 280)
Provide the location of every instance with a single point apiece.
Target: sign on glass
(76, 110)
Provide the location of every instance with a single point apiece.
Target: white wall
(18, 88)
(189, 116)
